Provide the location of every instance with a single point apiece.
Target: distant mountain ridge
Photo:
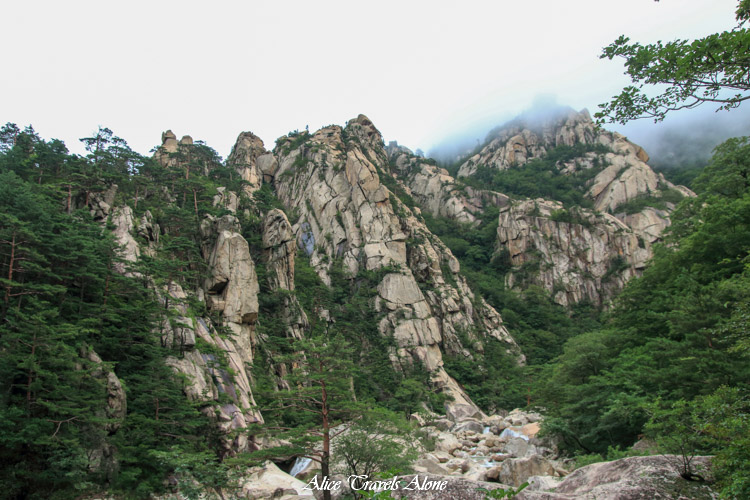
(580, 253)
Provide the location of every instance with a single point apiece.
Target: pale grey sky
(419, 69)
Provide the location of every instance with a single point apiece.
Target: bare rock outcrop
(166, 153)
(210, 380)
(576, 254)
(629, 479)
(621, 170)
(592, 257)
(221, 382)
(526, 138)
(244, 158)
(435, 190)
(117, 402)
(232, 286)
(279, 252)
(348, 217)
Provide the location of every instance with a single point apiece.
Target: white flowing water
(512, 433)
(299, 465)
(486, 430)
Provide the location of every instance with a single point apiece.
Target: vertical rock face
(280, 249)
(578, 254)
(244, 159)
(232, 286)
(333, 183)
(523, 139)
(230, 290)
(209, 380)
(332, 180)
(123, 221)
(102, 456)
(117, 402)
(279, 252)
(436, 191)
(586, 257)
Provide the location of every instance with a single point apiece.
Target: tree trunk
(30, 377)
(10, 268)
(326, 456)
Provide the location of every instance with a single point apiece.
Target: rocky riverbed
(476, 452)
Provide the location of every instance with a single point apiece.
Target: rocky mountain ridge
(344, 215)
(331, 179)
(576, 253)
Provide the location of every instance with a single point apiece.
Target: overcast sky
(419, 70)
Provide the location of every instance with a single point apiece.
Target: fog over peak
(684, 139)
(687, 138)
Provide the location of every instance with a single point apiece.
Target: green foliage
(658, 201)
(292, 141)
(611, 454)
(682, 174)
(709, 69)
(571, 216)
(60, 298)
(676, 333)
(379, 443)
(715, 424)
(502, 492)
(492, 379)
(541, 177)
(538, 324)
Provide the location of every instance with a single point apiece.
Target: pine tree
(320, 403)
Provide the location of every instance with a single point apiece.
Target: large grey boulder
(632, 478)
(517, 471)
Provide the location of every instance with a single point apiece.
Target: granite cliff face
(575, 253)
(339, 211)
(332, 180)
(343, 215)
(590, 256)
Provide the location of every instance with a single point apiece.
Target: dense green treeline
(539, 325)
(678, 335)
(675, 344)
(66, 302)
(63, 304)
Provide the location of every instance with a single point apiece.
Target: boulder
(447, 442)
(458, 412)
(530, 430)
(442, 423)
(519, 448)
(453, 488)
(516, 471)
(429, 465)
(468, 425)
(269, 481)
(631, 478)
